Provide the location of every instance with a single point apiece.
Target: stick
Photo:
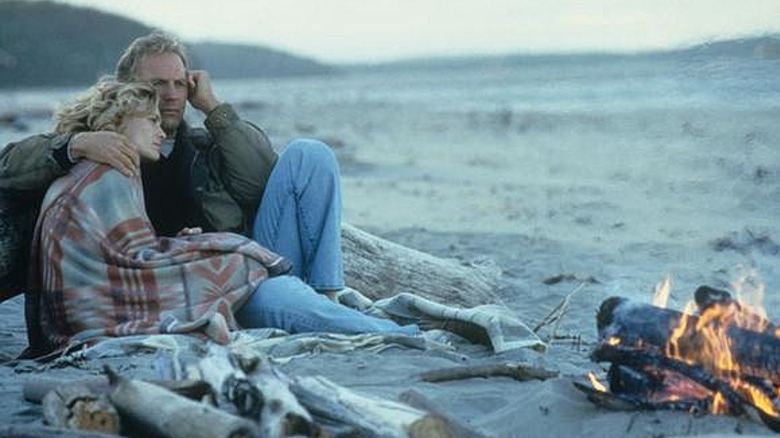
(556, 315)
(517, 371)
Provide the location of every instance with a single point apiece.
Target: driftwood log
(164, 413)
(77, 407)
(757, 353)
(366, 416)
(458, 427)
(306, 406)
(379, 269)
(251, 387)
(34, 431)
(34, 390)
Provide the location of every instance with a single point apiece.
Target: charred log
(757, 353)
(709, 298)
(626, 402)
(637, 358)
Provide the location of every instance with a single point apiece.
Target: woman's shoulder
(88, 177)
(92, 171)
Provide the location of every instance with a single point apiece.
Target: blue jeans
(288, 303)
(300, 215)
(300, 219)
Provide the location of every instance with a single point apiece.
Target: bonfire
(720, 355)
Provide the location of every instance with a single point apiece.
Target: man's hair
(156, 43)
(104, 106)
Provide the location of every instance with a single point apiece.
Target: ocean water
(582, 85)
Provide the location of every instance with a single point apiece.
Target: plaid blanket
(98, 269)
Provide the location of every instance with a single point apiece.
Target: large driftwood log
(34, 431)
(34, 390)
(757, 353)
(74, 406)
(256, 391)
(169, 415)
(458, 427)
(379, 269)
(285, 405)
(368, 416)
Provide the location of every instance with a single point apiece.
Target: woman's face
(144, 131)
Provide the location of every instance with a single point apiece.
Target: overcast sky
(380, 30)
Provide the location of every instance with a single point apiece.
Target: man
(211, 179)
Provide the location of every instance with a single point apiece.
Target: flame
(613, 341)
(673, 349)
(595, 382)
(719, 405)
(713, 349)
(759, 399)
(661, 291)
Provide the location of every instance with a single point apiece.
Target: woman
(98, 268)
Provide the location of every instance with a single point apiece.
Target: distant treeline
(43, 43)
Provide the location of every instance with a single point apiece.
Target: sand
(620, 199)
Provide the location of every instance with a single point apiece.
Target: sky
(349, 31)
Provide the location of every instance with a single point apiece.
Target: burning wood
(724, 359)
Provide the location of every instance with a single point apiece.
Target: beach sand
(617, 201)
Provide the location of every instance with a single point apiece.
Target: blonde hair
(156, 43)
(103, 106)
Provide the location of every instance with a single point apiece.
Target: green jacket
(214, 178)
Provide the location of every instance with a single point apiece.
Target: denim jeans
(300, 215)
(288, 303)
(300, 219)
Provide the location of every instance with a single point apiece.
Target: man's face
(167, 74)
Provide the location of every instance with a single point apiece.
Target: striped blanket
(98, 269)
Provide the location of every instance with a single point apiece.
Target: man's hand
(201, 93)
(107, 148)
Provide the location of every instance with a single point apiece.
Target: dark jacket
(214, 178)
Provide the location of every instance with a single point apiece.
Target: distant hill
(245, 61)
(43, 43)
(767, 47)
